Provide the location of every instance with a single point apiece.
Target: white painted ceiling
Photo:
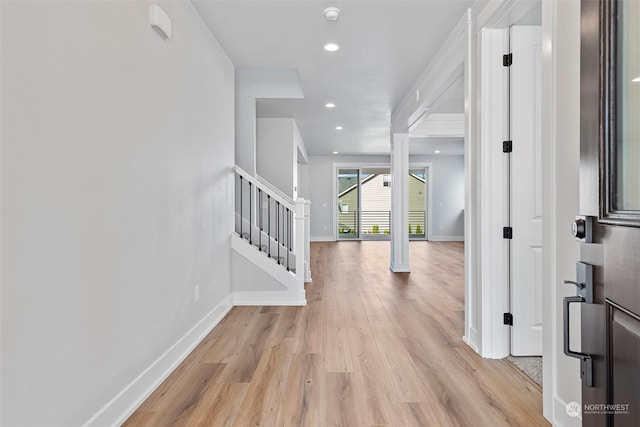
(384, 47)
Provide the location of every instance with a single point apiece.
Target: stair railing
(284, 231)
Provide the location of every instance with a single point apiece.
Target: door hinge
(507, 59)
(507, 318)
(507, 146)
(507, 233)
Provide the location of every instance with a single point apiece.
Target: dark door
(610, 194)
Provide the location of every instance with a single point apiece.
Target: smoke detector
(332, 13)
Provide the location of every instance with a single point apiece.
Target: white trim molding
(323, 239)
(400, 267)
(118, 409)
(285, 298)
(447, 239)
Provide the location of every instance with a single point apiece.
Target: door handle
(586, 362)
(571, 282)
(584, 294)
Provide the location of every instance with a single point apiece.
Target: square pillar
(400, 203)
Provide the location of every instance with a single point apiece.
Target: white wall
(448, 189)
(251, 84)
(116, 199)
(303, 180)
(277, 154)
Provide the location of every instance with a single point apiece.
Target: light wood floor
(371, 348)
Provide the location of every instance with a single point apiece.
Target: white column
(307, 241)
(399, 203)
(299, 242)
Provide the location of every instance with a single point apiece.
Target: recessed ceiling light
(329, 105)
(437, 151)
(335, 152)
(339, 128)
(331, 47)
(332, 13)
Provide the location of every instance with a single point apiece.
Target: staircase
(269, 244)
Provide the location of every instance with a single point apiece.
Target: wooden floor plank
(339, 402)
(261, 405)
(371, 348)
(304, 389)
(221, 407)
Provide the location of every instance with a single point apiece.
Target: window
(344, 207)
(386, 180)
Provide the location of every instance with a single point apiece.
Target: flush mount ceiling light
(339, 128)
(437, 151)
(636, 80)
(332, 13)
(335, 152)
(329, 105)
(331, 47)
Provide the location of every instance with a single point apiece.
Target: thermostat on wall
(160, 21)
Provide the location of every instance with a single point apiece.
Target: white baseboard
(472, 339)
(468, 342)
(322, 239)
(560, 416)
(398, 267)
(269, 298)
(116, 411)
(446, 238)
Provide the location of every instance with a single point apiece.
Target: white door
(526, 191)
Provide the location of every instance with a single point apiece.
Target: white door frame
(493, 128)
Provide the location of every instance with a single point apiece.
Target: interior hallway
(370, 348)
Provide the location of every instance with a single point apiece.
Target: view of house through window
(364, 203)
(417, 203)
(348, 203)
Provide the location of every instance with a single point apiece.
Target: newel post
(307, 241)
(299, 234)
